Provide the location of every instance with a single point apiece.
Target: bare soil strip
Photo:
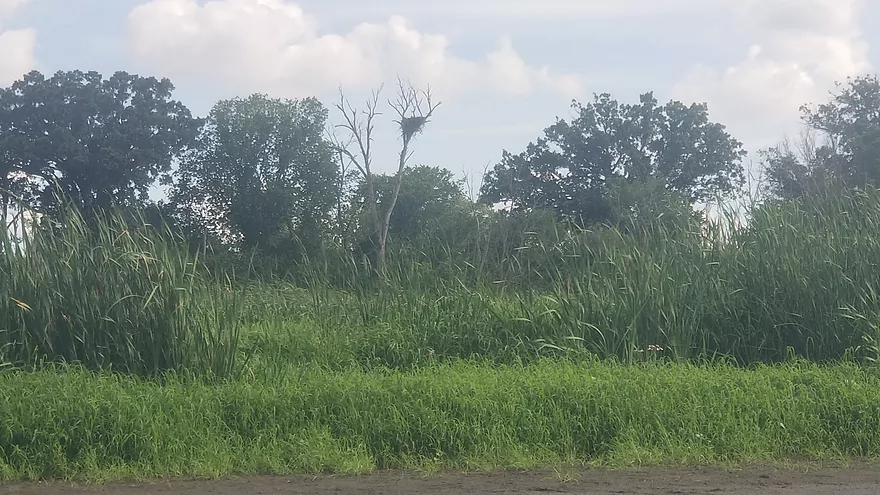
(862, 480)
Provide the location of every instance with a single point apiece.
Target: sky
(503, 69)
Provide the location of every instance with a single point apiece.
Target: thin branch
(411, 121)
(361, 131)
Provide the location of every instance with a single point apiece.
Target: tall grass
(73, 424)
(800, 279)
(112, 293)
(501, 354)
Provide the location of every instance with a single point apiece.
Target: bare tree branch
(361, 131)
(414, 110)
(412, 120)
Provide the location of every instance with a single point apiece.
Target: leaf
(21, 304)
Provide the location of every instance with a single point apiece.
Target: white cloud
(274, 45)
(16, 54)
(16, 46)
(529, 10)
(800, 48)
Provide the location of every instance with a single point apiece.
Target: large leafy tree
(570, 168)
(261, 173)
(102, 142)
(428, 198)
(840, 147)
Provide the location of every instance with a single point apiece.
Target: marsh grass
(73, 424)
(643, 344)
(112, 293)
(800, 279)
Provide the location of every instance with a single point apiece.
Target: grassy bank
(800, 278)
(440, 363)
(74, 424)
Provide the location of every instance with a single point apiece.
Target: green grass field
(74, 424)
(122, 356)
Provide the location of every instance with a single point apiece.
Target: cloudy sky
(504, 69)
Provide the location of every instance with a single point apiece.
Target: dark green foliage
(261, 173)
(430, 203)
(103, 142)
(569, 169)
(842, 151)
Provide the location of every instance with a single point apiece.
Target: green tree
(428, 196)
(840, 148)
(569, 169)
(640, 207)
(103, 142)
(261, 173)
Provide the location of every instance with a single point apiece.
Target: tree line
(269, 175)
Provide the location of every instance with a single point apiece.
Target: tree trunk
(4, 234)
(4, 198)
(385, 223)
(378, 258)
(379, 261)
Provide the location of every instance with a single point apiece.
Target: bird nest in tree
(410, 126)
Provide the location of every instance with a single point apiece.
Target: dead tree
(414, 110)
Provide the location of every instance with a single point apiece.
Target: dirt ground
(862, 480)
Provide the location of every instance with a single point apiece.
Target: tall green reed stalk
(799, 278)
(110, 291)
(802, 277)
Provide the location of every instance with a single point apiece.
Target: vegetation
(71, 424)
(260, 171)
(840, 150)
(110, 296)
(570, 169)
(414, 110)
(261, 319)
(98, 142)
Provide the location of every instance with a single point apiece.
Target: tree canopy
(261, 172)
(568, 170)
(264, 172)
(103, 142)
(427, 195)
(840, 149)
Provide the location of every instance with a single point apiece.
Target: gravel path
(753, 480)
